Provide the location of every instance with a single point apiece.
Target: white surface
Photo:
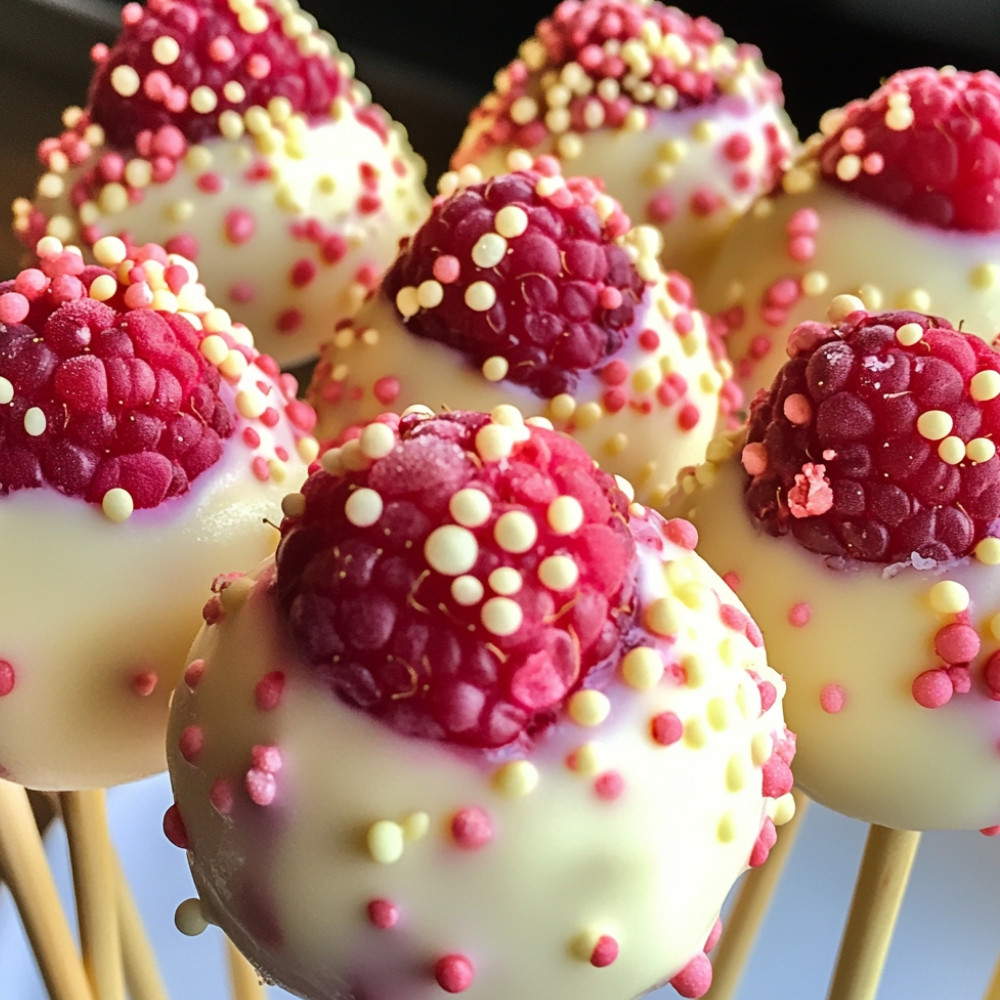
(946, 943)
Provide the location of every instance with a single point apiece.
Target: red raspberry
(526, 268)
(876, 440)
(463, 583)
(100, 395)
(926, 144)
(183, 62)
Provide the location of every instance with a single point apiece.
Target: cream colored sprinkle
(980, 450)
(293, 505)
(995, 627)
(430, 294)
(815, 283)
(736, 773)
(234, 91)
(204, 100)
(494, 442)
(951, 450)
(695, 670)
(988, 551)
(233, 365)
(34, 421)
(719, 714)
(516, 778)
(6, 391)
(917, 299)
(495, 368)
(377, 440)
(935, 425)
(103, 288)
(662, 617)
(695, 733)
(848, 167)
(760, 749)
(508, 415)
(899, 118)
(501, 616)
(985, 385)
(590, 758)
(588, 414)
(523, 110)
(451, 550)
(250, 404)
(467, 590)
(564, 515)
(505, 580)
(363, 507)
(642, 668)
(693, 594)
(118, 505)
(948, 597)
(510, 221)
(416, 826)
(407, 302)
(842, 306)
(589, 708)
(480, 296)
(490, 249)
(515, 531)
(908, 335)
(470, 507)
(984, 277)
(558, 572)
(189, 918)
(385, 841)
(125, 81)
(726, 830)
(562, 406)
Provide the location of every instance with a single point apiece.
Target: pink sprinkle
(143, 683)
(221, 49)
(266, 757)
(258, 66)
(7, 678)
(991, 675)
(649, 340)
(666, 728)
(212, 611)
(303, 272)
(191, 743)
(682, 533)
(13, 307)
(261, 786)
(268, 691)
(689, 416)
(733, 617)
(732, 580)
(799, 614)
(713, 935)
(609, 785)
(471, 828)
(210, 182)
(990, 831)
(174, 829)
(383, 913)
(811, 495)
(260, 468)
(957, 643)
(754, 458)
(605, 952)
(832, 698)
(386, 389)
(614, 373)
(797, 409)
(737, 147)
(660, 209)
(240, 226)
(221, 796)
(704, 202)
(804, 222)
(251, 437)
(610, 297)
(801, 249)
(777, 777)
(193, 673)
(454, 973)
(289, 321)
(932, 688)
(695, 979)
(766, 839)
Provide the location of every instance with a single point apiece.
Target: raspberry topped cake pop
(235, 134)
(534, 288)
(483, 725)
(142, 439)
(685, 126)
(858, 520)
(895, 200)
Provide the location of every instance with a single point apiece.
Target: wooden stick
(878, 894)
(750, 908)
(243, 976)
(142, 975)
(25, 869)
(94, 881)
(993, 990)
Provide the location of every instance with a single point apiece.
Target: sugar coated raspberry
(103, 382)
(926, 144)
(458, 576)
(527, 271)
(182, 63)
(876, 441)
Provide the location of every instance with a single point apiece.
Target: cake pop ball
(142, 440)
(684, 126)
(483, 726)
(236, 135)
(533, 288)
(858, 522)
(895, 200)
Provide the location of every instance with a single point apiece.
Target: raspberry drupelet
(684, 125)
(142, 438)
(502, 721)
(534, 288)
(894, 200)
(221, 130)
(858, 519)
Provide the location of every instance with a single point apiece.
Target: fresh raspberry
(926, 144)
(527, 268)
(622, 55)
(464, 582)
(876, 440)
(100, 395)
(181, 63)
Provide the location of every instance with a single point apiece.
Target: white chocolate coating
(375, 362)
(850, 644)
(290, 881)
(857, 248)
(261, 218)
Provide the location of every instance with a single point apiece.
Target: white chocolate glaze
(568, 862)
(850, 644)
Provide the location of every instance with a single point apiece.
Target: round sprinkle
(980, 450)
(502, 616)
(470, 507)
(661, 617)
(480, 296)
(467, 590)
(589, 708)
(642, 668)
(935, 425)
(988, 551)
(416, 826)
(494, 442)
(454, 973)
(505, 580)
(377, 440)
(34, 421)
(471, 828)
(489, 250)
(125, 81)
(363, 507)
(948, 597)
(985, 385)
(451, 550)
(511, 221)
(588, 759)
(189, 918)
(564, 515)
(516, 778)
(558, 572)
(515, 531)
(952, 450)
(495, 368)
(832, 698)
(117, 505)
(385, 841)
(383, 913)
(6, 391)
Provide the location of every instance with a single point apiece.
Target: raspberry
(876, 440)
(926, 144)
(458, 577)
(525, 269)
(101, 395)
(181, 63)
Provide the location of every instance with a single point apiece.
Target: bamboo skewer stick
(749, 909)
(243, 976)
(24, 868)
(993, 990)
(878, 894)
(94, 881)
(142, 975)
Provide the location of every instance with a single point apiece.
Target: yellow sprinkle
(516, 779)
(760, 749)
(125, 81)
(848, 167)
(642, 668)
(980, 450)
(726, 831)
(693, 594)
(103, 288)
(951, 450)
(842, 306)
(117, 505)
(719, 714)
(250, 404)
(34, 421)
(494, 442)
(695, 733)
(589, 707)
(204, 100)
(588, 414)
(736, 773)
(815, 283)
(416, 826)
(590, 759)
(561, 407)
(784, 809)
(985, 385)
(948, 597)
(916, 299)
(663, 617)
(899, 118)
(385, 841)
(984, 277)
(995, 627)
(189, 918)
(935, 425)
(988, 551)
